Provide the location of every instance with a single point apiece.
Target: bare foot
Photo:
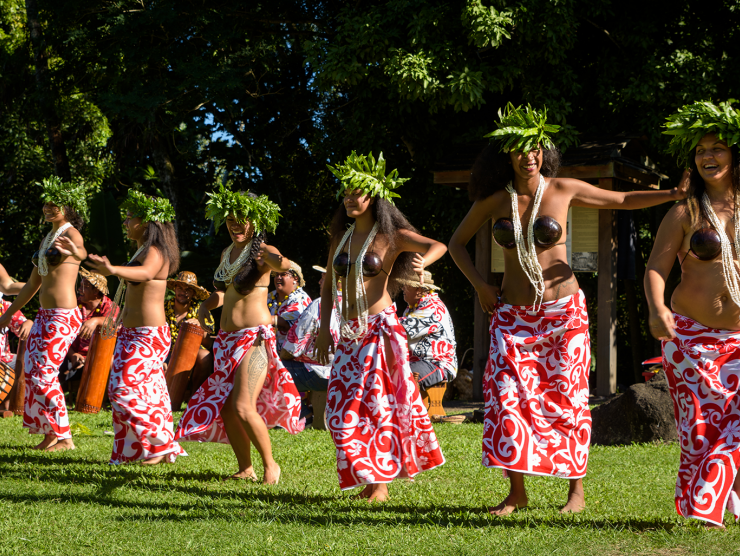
(378, 493)
(364, 493)
(154, 461)
(576, 499)
(61, 445)
(272, 475)
(48, 441)
(510, 505)
(247, 474)
(714, 526)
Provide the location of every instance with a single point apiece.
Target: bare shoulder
(567, 184)
(73, 234)
(679, 213)
(494, 205)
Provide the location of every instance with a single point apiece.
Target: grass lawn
(75, 503)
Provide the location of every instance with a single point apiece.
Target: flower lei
(192, 313)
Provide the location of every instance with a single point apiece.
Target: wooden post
(606, 356)
(481, 335)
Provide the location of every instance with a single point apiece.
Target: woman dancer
(701, 336)
(250, 390)
(58, 321)
(142, 416)
(375, 414)
(536, 382)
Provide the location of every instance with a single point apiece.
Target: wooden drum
(7, 379)
(94, 381)
(184, 354)
(17, 397)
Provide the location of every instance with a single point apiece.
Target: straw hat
(295, 268)
(98, 281)
(189, 280)
(413, 281)
(319, 268)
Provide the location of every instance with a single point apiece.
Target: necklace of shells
(226, 270)
(729, 268)
(51, 237)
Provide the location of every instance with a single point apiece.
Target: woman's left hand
(25, 330)
(66, 247)
(418, 265)
(101, 265)
(682, 191)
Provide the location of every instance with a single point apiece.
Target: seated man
(19, 325)
(94, 304)
(287, 301)
(430, 333)
(298, 354)
(184, 307)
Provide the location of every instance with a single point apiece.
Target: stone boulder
(462, 387)
(644, 413)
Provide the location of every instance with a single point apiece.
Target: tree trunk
(166, 173)
(46, 94)
(634, 319)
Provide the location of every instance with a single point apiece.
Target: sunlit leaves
(259, 210)
(368, 175)
(694, 121)
(526, 129)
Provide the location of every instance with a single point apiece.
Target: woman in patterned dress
(142, 411)
(374, 411)
(701, 329)
(537, 419)
(249, 390)
(58, 320)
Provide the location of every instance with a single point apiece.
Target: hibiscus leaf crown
(526, 129)
(57, 192)
(147, 207)
(368, 175)
(245, 206)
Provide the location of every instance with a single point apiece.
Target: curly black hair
(492, 170)
(74, 218)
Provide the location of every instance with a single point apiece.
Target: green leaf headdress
(148, 208)
(694, 121)
(260, 211)
(522, 129)
(368, 175)
(61, 194)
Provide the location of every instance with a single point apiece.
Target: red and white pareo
(142, 410)
(45, 411)
(702, 366)
(537, 419)
(278, 402)
(374, 411)
(15, 327)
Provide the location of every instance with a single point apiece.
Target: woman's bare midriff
(58, 286)
(560, 281)
(246, 311)
(145, 304)
(702, 294)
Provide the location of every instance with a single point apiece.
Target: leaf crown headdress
(368, 175)
(148, 208)
(694, 121)
(61, 194)
(260, 211)
(524, 128)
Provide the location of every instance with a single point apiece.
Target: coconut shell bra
(547, 232)
(53, 257)
(372, 264)
(705, 244)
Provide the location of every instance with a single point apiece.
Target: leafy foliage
(259, 210)
(148, 207)
(521, 129)
(61, 194)
(694, 121)
(368, 175)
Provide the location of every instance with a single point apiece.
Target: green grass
(75, 503)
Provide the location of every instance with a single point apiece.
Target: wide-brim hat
(98, 281)
(295, 268)
(189, 280)
(413, 281)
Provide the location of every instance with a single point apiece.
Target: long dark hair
(492, 170)
(161, 235)
(248, 274)
(389, 220)
(697, 187)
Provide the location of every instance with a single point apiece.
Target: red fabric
(45, 411)
(377, 420)
(278, 403)
(537, 419)
(142, 410)
(82, 345)
(15, 327)
(702, 366)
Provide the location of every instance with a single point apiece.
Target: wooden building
(616, 163)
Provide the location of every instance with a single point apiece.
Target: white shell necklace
(226, 270)
(729, 268)
(109, 326)
(51, 237)
(528, 253)
(345, 329)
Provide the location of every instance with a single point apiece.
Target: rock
(461, 387)
(644, 413)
